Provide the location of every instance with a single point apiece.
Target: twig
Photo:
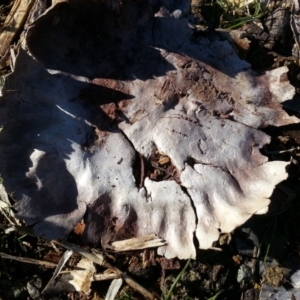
(216, 249)
(142, 170)
(254, 260)
(29, 260)
(280, 151)
(110, 276)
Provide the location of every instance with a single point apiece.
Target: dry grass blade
(59, 267)
(100, 260)
(5, 207)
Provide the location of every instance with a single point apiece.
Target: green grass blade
(269, 244)
(168, 297)
(215, 296)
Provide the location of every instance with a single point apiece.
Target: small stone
(244, 273)
(295, 280)
(33, 287)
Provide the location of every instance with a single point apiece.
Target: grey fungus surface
(85, 102)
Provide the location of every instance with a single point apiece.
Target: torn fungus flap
(106, 88)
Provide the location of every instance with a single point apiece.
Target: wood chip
(114, 289)
(13, 23)
(143, 242)
(82, 278)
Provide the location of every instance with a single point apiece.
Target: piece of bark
(90, 99)
(295, 26)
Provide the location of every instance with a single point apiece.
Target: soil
(263, 251)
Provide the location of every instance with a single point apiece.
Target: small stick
(142, 170)
(216, 249)
(101, 277)
(280, 151)
(29, 260)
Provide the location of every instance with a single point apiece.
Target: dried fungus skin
(89, 102)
